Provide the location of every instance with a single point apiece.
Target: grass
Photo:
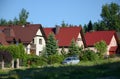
(102, 69)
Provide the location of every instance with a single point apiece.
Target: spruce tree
(90, 27)
(73, 49)
(51, 45)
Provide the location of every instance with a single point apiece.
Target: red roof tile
(65, 34)
(2, 39)
(92, 37)
(25, 34)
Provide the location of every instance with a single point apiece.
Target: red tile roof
(65, 34)
(2, 39)
(25, 34)
(92, 37)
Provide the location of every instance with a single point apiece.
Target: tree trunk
(12, 63)
(18, 62)
(3, 63)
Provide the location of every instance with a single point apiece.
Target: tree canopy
(110, 15)
(101, 48)
(23, 16)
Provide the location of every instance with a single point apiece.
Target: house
(64, 36)
(109, 37)
(31, 35)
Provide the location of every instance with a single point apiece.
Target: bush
(89, 55)
(42, 61)
(112, 56)
(33, 60)
(55, 59)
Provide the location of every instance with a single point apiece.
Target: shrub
(101, 48)
(112, 56)
(55, 59)
(33, 60)
(42, 61)
(89, 55)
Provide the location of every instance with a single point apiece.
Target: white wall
(91, 48)
(39, 47)
(80, 41)
(59, 50)
(27, 49)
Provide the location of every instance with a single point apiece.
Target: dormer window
(33, 40)
(79, 39)
(40, 41)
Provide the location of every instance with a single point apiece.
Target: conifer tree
(90, 27)
(51, 45)
(73, 49)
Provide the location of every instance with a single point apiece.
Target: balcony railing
(33, 46)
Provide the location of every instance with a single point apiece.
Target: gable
(39, 33)
(113, 41)
(79, 40)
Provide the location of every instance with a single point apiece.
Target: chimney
(23, 25)
(57, 29)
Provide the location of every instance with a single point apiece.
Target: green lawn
(102, 69)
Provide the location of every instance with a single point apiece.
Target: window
(33, 41)
(40, 41)
(79, 39)
(40, 52)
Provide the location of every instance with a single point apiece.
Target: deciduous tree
(101, 48)
(23, 17)
(111, 16)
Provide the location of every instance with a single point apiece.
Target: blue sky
(52, 12)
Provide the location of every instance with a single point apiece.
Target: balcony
(32, 46)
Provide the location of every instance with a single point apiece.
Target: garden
(100, 69)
